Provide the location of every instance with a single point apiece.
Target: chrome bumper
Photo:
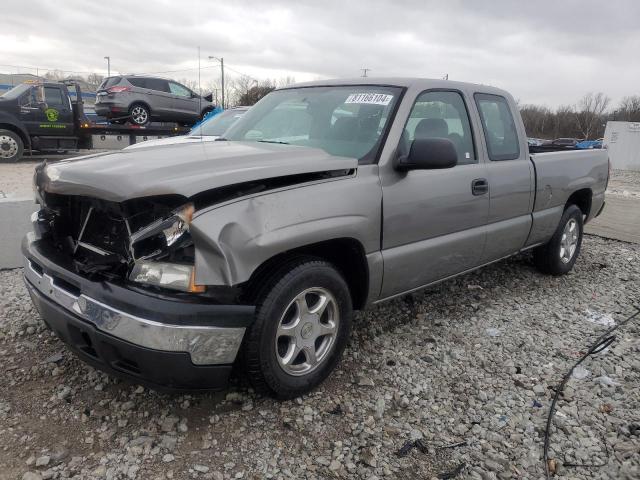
(206, 345)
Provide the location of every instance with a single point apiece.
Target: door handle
(479, 186)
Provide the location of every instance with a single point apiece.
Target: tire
(279, 330)
(11, 146)
(205, 112)
(139, 114)
(558, 256)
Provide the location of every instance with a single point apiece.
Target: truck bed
(560, 175)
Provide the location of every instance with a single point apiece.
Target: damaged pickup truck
(168, 265)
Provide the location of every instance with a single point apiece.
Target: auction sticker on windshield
(369, 98)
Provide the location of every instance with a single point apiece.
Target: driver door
(434, 221)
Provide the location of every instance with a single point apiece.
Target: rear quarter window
(499, 127)
(110, 82)
(138, 82)
(157, 84)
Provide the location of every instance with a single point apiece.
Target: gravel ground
(468, 368)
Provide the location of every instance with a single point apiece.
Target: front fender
(234, 239)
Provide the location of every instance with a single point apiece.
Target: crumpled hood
(183, 169)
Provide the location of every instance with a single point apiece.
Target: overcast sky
(547, 52)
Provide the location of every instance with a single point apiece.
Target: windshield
(16, 91)
(346, 121)
(217, 125)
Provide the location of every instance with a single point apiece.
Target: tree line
(584, 120)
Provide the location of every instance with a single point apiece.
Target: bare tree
(95, 79)
(538, 120)
(589, 113)
(55, 75)
(629, 109)
(255, 93)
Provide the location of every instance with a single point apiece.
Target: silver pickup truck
(168, 265)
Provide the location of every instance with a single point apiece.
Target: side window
(138, 82)
(499, 128)
(179, 90)
(441, 114)
(53, 96)
(158, 84)
(33, 97)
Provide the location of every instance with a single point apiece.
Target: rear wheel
(11, 146)
(139, 114)
(559, 255)
(303, 320)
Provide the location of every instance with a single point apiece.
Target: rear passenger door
(160, 98)
(510, 174)
(434, 220)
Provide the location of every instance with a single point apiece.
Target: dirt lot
(468, 367)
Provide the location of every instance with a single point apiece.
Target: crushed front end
(116, 282)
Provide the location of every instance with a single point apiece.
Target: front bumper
(164, 343)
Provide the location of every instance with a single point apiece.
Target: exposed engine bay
(107, 238)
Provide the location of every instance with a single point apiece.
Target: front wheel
(11, 146)
(302, 324)
(558, 256)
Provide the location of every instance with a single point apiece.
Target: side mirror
(428, 154)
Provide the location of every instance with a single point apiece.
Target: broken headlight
(163, 235)
(166, 275)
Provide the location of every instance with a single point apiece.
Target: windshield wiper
(274, 141)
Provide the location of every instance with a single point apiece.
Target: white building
(622, 140)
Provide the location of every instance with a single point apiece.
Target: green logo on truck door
(52, 114)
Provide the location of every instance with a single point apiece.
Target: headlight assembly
(167, 275)
(163, 234)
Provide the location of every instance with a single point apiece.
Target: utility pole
(199, 85)
(108, 59)
(221, 60)
(364, 72)
(446, 76)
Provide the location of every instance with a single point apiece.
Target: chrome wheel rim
(8, 147)
(139, 115)
(569, 241)
(307, 331)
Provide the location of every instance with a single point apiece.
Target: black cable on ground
(602, 342)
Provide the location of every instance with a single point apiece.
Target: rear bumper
(110, 109)
(164, 344)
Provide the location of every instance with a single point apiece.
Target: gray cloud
(544, 52)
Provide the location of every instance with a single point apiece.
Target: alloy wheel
(307, 331)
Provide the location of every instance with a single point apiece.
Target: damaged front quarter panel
(232, 240)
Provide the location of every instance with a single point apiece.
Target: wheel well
(17, 131)
(346, 254)
(581, 199)
(140, 102)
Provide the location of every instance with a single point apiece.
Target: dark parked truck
(168, 265)
(43, 116)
